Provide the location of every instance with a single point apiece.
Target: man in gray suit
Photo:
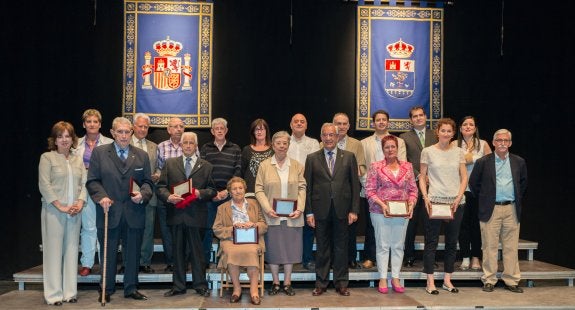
(415, 140)
(113, 170)
(141, 126)
(332, 204)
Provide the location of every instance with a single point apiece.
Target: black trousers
(432, 230)
(416, 218)
(186, 237)
(470, 233)
(331, 236)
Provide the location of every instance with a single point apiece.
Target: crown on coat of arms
(167, 47)
(400, 49)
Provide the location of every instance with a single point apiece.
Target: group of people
(108, 192)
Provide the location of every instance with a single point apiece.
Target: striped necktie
(331, 161)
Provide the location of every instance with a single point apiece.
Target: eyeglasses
(504, 141)
(259, 129)
(328, 135)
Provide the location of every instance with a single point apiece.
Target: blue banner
(168, 61)
(400, 63)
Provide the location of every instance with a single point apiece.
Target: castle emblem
(167, 68)
(400, 70)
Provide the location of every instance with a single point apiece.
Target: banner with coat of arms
(399, 64)
(168, 61)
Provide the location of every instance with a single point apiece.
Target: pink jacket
(383, 184)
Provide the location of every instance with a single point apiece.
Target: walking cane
(105, 258)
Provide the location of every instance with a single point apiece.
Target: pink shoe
(382, 290)
(397, 289)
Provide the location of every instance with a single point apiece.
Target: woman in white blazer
(61, 181)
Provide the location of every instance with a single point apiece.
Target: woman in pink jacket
(390, 180)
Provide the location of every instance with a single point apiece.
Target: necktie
(421, 138)
(123, 155)
(188, 166)
(140, 145)
(331, 161)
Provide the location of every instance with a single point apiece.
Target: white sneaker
(464, 264)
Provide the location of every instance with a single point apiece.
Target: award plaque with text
(398, 208)
(284, 207)
(441, 211)
(134, 187)
(246, 235)
(183, 188)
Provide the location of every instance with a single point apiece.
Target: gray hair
(219, 120)
(141, 115)
(329, 125)
(502, 131)
(119, 121)
(281, 134)
(191, 134)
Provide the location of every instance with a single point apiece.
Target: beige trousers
(503, 226)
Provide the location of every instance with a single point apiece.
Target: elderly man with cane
(119, 181)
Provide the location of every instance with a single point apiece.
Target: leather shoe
(169, 268)
(353, 265)
(137, 296)
(121, 270)
(409, 262)
(107, 297)
(84, 271)
(256, 300)
(58, 303)
(367, 264)
(343, 291)
(514, 288)
(488, 287)
(235, 298)
(173, 292)
(146, 269)
(309, 266)
(72, 300)
(318, 291)
(203, 292)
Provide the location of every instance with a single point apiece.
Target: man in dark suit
(187, 214)
(113, 167)
(415, 140)
(332, 203)
(499, 181)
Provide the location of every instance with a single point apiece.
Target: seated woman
(240, 213)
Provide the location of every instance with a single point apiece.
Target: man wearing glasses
(499, 180)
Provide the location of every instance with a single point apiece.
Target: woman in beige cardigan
(282, 177)
(61, 181)
(240, 212)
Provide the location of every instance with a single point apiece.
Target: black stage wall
(60, 58)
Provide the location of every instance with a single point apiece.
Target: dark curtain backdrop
(60, 58)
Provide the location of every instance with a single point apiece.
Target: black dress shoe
(146, 269)
(203, 292)
(353, 265)
(58, 303)
(121, 270)
(137, 296)
(173, 292)
(514, 288)
(235, 298)
(107, 297)
(169, 268)
(72, 300)
(343, 291)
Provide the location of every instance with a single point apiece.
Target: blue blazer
(482, 183)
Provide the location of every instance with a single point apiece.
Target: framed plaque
(134, 187)
(441, 211)
(246, 235)
(284, 207)
(398, 208)
(183, 189)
